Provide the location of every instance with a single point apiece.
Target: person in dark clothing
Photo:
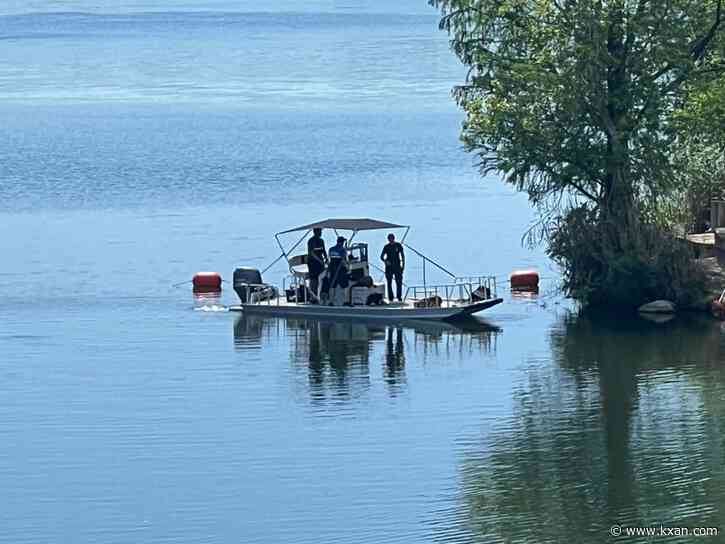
(316, 259)
(394, 259)
(338, 272)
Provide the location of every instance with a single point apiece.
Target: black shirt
(316, 251)
(393, 255)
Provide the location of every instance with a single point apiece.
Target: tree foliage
(578, 102)
(700, 159)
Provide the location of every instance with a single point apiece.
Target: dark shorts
(315, 268)
(391, 273)
(338, 276)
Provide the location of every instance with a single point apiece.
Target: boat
(459, 298)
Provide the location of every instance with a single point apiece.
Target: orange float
(207, 282)
(524, 280)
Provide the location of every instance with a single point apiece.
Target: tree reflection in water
(623, 425)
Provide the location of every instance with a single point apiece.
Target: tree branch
(700, 47)
(583, 191)
(698, 51)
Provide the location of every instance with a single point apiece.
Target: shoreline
(714, 268)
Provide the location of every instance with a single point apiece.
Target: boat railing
(487, 282)
(463, 290)
(294, 282)
(450, 294)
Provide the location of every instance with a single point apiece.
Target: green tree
(575, 102)
(700, 157)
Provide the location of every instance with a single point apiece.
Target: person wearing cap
(394, 259)
(337, 271)
(316, 259)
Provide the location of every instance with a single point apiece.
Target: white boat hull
(391, 312)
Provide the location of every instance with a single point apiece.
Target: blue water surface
(145, 140)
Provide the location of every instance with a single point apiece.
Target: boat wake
(211, 308)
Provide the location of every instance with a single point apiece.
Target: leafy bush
(605, 264)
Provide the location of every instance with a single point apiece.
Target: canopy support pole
(405, 235)
(284, 253)
(425, 285)
(451, 274)
(270, 265)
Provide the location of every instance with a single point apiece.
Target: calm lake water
(145, 140)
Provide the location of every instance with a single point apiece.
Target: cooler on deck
(360, 295)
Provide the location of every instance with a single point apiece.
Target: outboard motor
(245, 282)
(248, 282)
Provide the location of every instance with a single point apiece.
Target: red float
(524, 279)
(207, 282)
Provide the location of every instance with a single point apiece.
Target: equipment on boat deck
(482, 293)
(358, 267)
(429, 302)
(248, 285)
(367, 295)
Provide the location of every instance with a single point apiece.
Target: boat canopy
(347, 224)
(354, 225)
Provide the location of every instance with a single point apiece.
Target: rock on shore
(658, 307)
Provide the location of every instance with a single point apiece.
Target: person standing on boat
(316, 259)
(394, 259)
(337, 272)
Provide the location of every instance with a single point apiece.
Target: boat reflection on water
(394, 358)
(250, 332)
(337, 354)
